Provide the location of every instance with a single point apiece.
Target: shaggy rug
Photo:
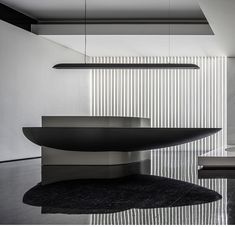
(92, 196)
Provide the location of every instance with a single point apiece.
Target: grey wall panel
(171, 98)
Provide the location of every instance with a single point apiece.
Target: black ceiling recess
(124, 66)
(16, 18)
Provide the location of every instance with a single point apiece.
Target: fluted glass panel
(170, 98)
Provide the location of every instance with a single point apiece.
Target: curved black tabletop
(113, 139)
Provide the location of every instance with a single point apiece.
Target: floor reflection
(15, 179)
(178, 163)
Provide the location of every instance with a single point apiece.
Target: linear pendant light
(86, 65)
(123, 66)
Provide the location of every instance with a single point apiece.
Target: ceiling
(129, 45)
(219, 13)
(74, 9)
(221, 17)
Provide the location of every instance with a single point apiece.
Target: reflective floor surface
(18, 177)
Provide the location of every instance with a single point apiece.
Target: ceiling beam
(127, 21)
(123, 29)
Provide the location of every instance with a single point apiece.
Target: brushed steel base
(53, 173)
(60, 165)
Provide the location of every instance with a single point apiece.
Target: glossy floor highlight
(18, 177)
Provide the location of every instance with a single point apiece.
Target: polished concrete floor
(18, 177)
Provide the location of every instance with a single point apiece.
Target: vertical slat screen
(170, 98)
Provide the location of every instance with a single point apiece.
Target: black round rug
(112, 195)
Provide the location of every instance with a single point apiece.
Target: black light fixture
(86, 65)
(124, 66)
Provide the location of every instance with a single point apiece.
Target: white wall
(30, 88)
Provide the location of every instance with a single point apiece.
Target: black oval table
(113, 139)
